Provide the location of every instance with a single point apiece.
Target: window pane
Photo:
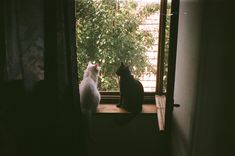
(167, 39)
(113, 31)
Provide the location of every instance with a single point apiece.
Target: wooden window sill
(158, 108)
(112, 108)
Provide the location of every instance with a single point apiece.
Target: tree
(108, 33)
(166, 50)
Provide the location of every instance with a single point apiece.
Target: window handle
(176, 105)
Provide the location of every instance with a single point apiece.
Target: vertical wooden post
(161, 48)
(171, 71)
(2, 41)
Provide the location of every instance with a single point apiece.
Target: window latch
(176, 105)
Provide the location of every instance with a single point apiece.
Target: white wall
(214, 124)
(204, 124)
(186, 79)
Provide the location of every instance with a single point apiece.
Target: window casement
(112, 97)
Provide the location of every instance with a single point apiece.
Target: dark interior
(39, 98)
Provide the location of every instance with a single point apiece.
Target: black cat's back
(131, 90)
(134, 97)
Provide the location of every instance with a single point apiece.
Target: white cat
(89, 94)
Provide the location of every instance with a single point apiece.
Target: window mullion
(161, 47)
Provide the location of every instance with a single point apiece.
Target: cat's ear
(89, 63)
(122, 64)
(97, 66)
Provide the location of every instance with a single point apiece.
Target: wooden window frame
(113, 97)
(149, 97)
(110, 97)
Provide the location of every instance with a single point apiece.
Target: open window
(135, 32)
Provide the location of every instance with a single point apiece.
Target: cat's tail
(125, 119)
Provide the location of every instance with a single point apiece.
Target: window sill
(112, 108)
(158, 108)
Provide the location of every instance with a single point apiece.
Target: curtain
(61, 71)
(24, 41)
(39, 111)
(2, 43)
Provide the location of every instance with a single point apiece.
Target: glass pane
(167, 39)
(113, 31)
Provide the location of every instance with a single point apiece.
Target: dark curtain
(2, 43)
(24, 41)
(39, 110)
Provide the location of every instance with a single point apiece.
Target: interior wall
(214, 124)
(186, 78)
(138, 137)
(203, 125)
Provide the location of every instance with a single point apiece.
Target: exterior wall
(151, 24)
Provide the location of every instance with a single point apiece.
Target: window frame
(113, 97)
(149, 97)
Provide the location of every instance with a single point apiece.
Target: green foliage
(166, 51)
(108, 33)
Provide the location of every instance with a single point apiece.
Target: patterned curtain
(39, 96)
(24, 41)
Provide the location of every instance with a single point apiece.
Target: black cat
(131, 90)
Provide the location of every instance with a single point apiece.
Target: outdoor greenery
(108, 34)
(166, 51)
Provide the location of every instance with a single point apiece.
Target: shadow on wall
(180, 139)
(139, 137)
